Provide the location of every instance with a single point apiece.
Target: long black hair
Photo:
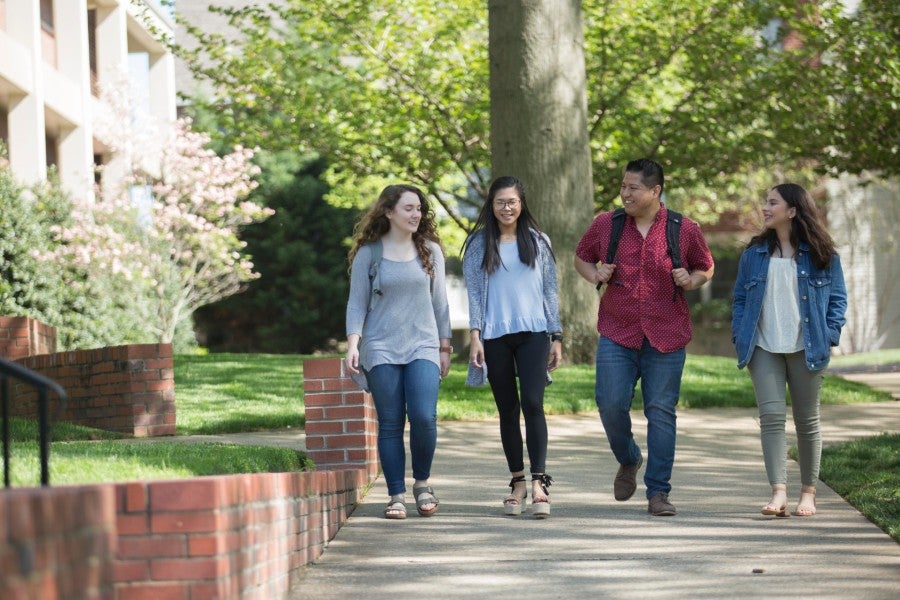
(526, 241)
(806, 226)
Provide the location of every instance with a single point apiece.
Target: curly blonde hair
(374, 224)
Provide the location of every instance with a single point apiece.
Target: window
(92, 48)
(52, 150)
(47, 15)
(4, 126)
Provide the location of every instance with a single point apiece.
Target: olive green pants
(771, 375)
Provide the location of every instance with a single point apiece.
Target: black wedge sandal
(513, 503)
(541, 508)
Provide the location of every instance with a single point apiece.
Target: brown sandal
(425, 495)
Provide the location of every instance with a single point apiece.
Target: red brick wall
(232, 536)
(57, 543)
(341, 423)
(130, 389)
(22, 336)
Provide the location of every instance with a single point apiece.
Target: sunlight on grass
(866, 473)
(115, 461)
(225, 393)
(877, 357)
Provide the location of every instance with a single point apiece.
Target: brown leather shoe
(625, 484)
(659, 505)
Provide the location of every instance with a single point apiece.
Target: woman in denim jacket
(789, 305)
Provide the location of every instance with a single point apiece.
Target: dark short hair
(650, 170)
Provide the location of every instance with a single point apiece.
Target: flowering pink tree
(167, 217)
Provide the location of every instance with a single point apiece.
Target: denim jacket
(823, 303)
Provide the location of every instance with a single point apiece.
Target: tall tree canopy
(713, 89)
(399, 89)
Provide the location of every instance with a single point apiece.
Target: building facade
(53, 56)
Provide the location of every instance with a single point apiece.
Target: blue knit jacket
(477, 286)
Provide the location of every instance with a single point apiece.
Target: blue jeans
(618, 369)
(399, 390)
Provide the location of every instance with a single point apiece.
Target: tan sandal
(540, 507)
(512, 505)
(772, 507)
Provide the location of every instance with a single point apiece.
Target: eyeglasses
(506, 203)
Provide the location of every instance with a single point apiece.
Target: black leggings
(527, 353)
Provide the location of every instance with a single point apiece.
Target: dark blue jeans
(618, 369)
(526, 353)
(398, 391)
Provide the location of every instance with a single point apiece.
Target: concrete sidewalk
(719, 545)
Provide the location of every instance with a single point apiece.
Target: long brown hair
(374, 224)
(806, 226)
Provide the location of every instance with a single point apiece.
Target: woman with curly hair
(398, 334)
(789, 305)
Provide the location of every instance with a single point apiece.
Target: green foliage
(398, 89)
(89, 308)
(390, 90)
(29, 286)
(296, 306)
(866, 473)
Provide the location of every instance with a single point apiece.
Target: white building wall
(47, 87)
(863, 216)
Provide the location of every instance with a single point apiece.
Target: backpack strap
(615, 234)
(618, 224)
(375, 272)
(673, 244)
(673, 237)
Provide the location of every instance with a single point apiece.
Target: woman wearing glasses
(514, 330)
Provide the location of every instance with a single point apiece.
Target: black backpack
(673, 238)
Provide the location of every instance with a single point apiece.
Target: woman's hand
(353, 354)
(445, 363)
(476, 351)
(555, 357)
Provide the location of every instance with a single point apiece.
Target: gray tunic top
(409, 318)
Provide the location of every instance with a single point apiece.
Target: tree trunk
(539, 134)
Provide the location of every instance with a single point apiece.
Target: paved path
(718, 546)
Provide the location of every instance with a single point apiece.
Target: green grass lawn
(226, 393)
(222, 393)
(866, 473)
(84, 455)
(878, 357)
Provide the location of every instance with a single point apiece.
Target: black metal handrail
(43, 384)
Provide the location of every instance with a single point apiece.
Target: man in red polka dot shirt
(644, 324)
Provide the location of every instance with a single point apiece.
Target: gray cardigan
(477, 285)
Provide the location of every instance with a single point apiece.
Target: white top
(779, 322)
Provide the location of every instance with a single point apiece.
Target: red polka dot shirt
(638, 301)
